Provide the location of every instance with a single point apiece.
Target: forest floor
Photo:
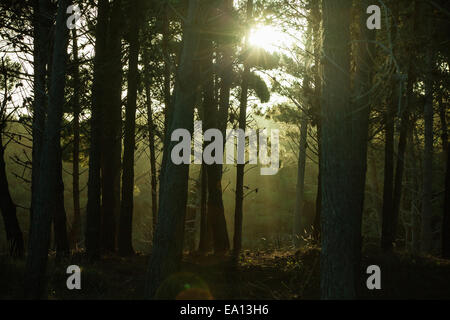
(260, 275)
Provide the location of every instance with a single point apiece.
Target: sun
(269, 38)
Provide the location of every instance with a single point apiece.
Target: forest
(224, 149)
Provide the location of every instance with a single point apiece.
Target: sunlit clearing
(269, 38)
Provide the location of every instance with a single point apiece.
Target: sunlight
(269, 38)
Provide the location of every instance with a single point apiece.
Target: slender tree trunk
(112, 129)
(168, 109)
(45, 206)
(41, 41)
(168, 240)
(93, 217)
(76, 222)
(401, 150)
(59, 219)
(239, 200)
(205, 231)
(300, 189)
(316, 16)
(446, 213)
(426, 243)
(14, 236)
(126, 210)
(446, 216)
(386, 230)
(151, 141)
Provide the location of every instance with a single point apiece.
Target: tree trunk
(76, 222)
(446, 216)
(42, 24)
(300, 189)
(126, 210)
(8, 208)
(215, 208)
(151, 141)
(167, 96)
(239, 200)
(93, 215)
(45, 206)
(316, 16)
(344, 147)
(205, 231)
(112, 127)
(446, 213)
(386, 229)
(427, 210)
(168, 240)
(59, 219)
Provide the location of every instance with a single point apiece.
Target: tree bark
(93, 215)
(215, 208)
(112, 129)
(344, 147)
(14, 236)
(76, 222)
(151, 141)
(126, 210)
(59, 219)
(42, 24)
(239, 199)
(300, 189)
(45, 206)
(168, 240)
(427, 210)
(446, 216)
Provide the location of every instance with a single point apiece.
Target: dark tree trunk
(112, 127)
(239, 199)
(59, 219)
(344, 147)
(93, 217)
(45, 206)
(168, 240)
(446, 217)
(386, 229)
(388, 222)
(168, 109)
(205, 232)
(446, 213)
(8, 208)
(151, 141)
(42, 23)
(215, 208)
(126, 210)
(427, 210)
(76, 222)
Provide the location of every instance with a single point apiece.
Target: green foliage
(259, 86)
